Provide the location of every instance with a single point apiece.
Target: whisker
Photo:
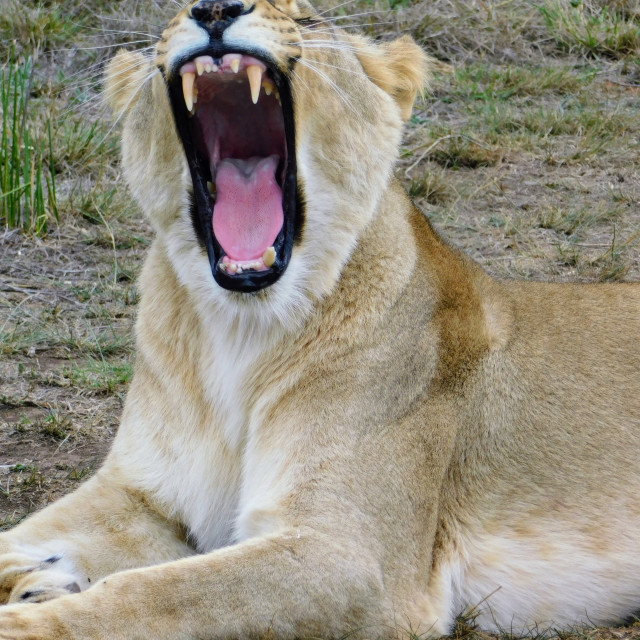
(88, 82)
(362, 25)
(359, 25)
(106, 46)
(119, 84)
(156, 26)
(124, 109)
(342, 4)
(328, 30)
(340, 93)
(85, 75)
(333, 66)
(329, 45)
(338, 39)
(115, 19)
(302, 80)
(101, 63)
(355, 15)
(332, 41)
(118, 32)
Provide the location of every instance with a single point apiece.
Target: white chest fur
(192, 461)
(196, 458)
(214, 493)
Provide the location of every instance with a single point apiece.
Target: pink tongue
(247, 216)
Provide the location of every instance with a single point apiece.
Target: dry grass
(525, 155)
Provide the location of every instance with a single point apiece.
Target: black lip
(201, 204)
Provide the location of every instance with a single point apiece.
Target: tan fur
(400, 68)
(382, 439)
(128, 73)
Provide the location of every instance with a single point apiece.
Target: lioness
(338, 425)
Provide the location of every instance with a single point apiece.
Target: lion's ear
(399, 67)
(124, 76)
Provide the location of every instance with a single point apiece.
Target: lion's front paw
(24, 580)
(39, 587)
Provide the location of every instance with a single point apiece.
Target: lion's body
(377, 442)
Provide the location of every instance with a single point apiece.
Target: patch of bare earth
(67, 307)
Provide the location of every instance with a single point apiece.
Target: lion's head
(259, 139)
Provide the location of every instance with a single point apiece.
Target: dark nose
(209, 12)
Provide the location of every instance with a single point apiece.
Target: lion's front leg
(292, 585)
(99, 529)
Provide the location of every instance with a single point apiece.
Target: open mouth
(235, 118)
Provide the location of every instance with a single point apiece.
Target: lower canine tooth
(269, 257)
(188, 79)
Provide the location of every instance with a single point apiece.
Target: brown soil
(67, 307)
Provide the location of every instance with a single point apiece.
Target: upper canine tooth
(254, 73)
(235, 65)
(188, 79)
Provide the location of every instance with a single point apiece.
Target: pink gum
(225, 64)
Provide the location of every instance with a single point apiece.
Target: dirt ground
(67, 312)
